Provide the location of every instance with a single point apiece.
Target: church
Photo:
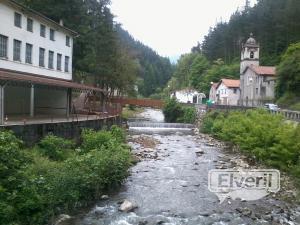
(257, 83)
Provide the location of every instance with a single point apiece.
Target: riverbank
(56, 176)
(263, 139)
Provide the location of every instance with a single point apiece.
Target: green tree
(288, 72)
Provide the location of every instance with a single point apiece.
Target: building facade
(257, 82)
(32, 43)
(228, 92)
(35, 64)
(189, 96)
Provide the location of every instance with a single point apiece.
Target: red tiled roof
(230, 83)
(264, 70)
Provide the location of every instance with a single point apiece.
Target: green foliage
(118, 133)
(94, 140)
(288, 74)
(154, 70)
(266, 137)
(55, 148)
(35, 188)
(195, 71)
(174, 112)
(277, 28)
(189, 115)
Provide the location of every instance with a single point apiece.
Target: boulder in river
(127, 206)
(62, 218)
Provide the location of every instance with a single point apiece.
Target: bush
(189, 115)
(36, 187)
(264, 136)
(172, 111)
(55, 148)
(94, 140)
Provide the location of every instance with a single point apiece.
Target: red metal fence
(139, 102)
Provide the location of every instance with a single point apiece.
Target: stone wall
(32, 133)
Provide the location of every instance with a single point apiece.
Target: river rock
(104, 197)
(62, 218)
(127, 206)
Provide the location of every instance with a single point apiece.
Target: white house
(257, 82)
(35, 63)
(188, 96)
(228, 92)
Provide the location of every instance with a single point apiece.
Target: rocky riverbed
(169, 185)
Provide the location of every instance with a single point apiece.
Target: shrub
(264, 136)
(35, 188)
(189, 115)
(172, 110)
(118, 133)
(94, 140)
(55, 148)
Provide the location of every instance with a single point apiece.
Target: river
(170, 184)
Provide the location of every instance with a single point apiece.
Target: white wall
(227, 95)
(7, 28)
(187, 97)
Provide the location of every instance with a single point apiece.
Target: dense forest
(104, 53)
(155, 71)
(274, 23)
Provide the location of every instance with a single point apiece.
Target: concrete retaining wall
(32, 133)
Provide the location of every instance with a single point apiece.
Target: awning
(35, 79)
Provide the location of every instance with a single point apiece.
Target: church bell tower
(249, 54)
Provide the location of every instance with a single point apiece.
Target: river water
(170, 184)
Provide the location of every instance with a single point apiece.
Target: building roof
(264, 70)
(19, 77)
(39, 16)
(230, 83)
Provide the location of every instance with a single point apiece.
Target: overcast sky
(172, 27)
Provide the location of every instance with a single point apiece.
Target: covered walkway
(31, 98)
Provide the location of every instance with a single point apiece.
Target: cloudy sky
(172, 27)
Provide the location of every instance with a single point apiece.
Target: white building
(33, 43)
(213, 92)
(35, 63)
(257, 82)
(228, 92)
(189, 96)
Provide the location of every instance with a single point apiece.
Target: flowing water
(171, 188)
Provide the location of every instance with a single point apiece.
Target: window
(18, 20)
(43, 30)
(17, 50)
(52, 35)
(68, 41)
(256, 91)
(29, 25)
(42, 57)
(251, 55)
(67, 59)
(234, 90)
(3, 46)
(59, 56)
(50, 60)
(28, 54)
